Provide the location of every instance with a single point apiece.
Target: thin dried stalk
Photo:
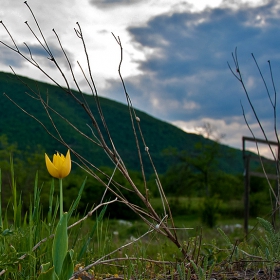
(147, 214)
(237, 74)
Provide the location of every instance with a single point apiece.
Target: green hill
(27, 132)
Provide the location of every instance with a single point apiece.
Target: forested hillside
(27, 132)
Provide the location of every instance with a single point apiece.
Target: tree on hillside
(200, 164)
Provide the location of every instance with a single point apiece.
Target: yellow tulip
(60, 167)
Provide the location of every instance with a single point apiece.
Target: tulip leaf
(48, 275)
(60, 244)
(45, 267)
(75, 204)
(67, 267)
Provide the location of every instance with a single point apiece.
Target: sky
(176, 56)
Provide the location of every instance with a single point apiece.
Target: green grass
(192, 207)
(25, 245)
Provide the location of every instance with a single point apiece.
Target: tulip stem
(60, 197)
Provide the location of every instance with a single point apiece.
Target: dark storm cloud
(108, 4)
(39, 54)
(8, 57)
(186, 75)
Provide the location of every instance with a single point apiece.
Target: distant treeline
(26, 132)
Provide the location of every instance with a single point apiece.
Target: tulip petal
(57, 160)
(51, 167)
(61, 165)
(66, 166)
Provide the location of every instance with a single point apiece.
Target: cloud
(109, 4)
(34, 51)
(175, 57)
(230, 132)
(8, 57)
(185, 76)
(40, 53)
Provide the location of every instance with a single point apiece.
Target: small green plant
(62, 259)
(34, 240)
(269, 244)
(182, 271)
(63, 266)
(203, 272)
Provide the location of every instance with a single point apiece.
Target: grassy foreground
(98, 248)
